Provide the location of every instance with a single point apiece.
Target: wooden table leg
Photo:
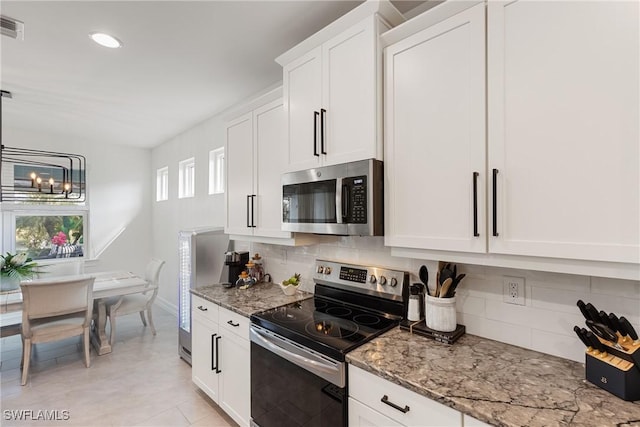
(99, 337)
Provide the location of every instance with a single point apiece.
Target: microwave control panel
(357, 209)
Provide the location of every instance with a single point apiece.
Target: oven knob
(327, 270)
(394, 282)
(372, 279)
(320, 269)
(383, 280)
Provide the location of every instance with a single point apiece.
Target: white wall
(118, 197)
(544, 324)
(170, 216)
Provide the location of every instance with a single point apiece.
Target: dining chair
(54, 309)
(138, 303)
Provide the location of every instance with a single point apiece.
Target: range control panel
(370, 280)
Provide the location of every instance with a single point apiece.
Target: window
(50, 235)
(187, 178)
(162, 184)
(216, 171)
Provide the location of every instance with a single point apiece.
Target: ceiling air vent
(12, 27)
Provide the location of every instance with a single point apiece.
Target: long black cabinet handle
(322, 124)
(385, 400)
(248, 202)
(475, 204)
(315, 133)
(201, 308)
(214, 364)
(495, 202)
(217, 352)
(253, 215)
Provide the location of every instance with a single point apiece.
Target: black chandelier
(38, 176)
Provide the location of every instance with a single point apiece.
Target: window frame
(216, 171)
(162, 184)
(187, 178)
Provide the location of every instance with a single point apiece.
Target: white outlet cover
(508, 294)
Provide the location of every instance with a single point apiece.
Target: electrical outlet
(513, 290)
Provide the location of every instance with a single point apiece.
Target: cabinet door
(203, 362)
(239, 158)
(362, 416)
(563, 129)
(235, 388)
(350, 89)
(270, 144)
(302, 100)
(435, 136)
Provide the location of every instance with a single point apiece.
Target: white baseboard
(167, 306)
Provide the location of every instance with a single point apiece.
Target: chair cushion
(43, 330)
(132, 304)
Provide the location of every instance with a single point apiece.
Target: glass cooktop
(326, 326)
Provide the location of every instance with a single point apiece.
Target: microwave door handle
(346, 198)
(339, 200)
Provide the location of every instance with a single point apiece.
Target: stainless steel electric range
(298, 369)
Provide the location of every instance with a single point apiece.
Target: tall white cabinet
(564, 128)
(435, 136)
(332, 86)
(559, 157)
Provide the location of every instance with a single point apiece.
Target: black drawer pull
(230, 322)
(201, 308)
(385, 400)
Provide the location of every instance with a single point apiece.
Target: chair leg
(153, 328)
(144, 321)
(112, 334)
(26, 350)
(87, 350)
(22, 355)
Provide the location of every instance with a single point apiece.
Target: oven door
(294, 386)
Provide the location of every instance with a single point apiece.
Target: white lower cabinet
(220, 358)
(374, 401)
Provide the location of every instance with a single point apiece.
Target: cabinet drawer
(402, 405)
(204, 309)
(235, 323)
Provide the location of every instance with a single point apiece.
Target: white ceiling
(182, 62)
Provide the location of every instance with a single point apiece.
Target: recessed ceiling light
(105, 40)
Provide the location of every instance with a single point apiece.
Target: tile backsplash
(545, 323)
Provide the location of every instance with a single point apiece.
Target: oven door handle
(332, 372)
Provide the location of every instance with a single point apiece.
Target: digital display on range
(353, 274)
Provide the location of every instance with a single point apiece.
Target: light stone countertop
(246, 302)
(495, 382)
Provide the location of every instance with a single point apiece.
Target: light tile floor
(142, 382)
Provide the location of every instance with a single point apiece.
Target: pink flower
(59, 239)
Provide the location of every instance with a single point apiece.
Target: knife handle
(615, 323)
(578, 332)
(628, 328)
(604, 319)
(583, 309)
(593, 313)
(595, 342)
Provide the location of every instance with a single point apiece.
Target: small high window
(162, 184)
(187, 178)
(216, 171)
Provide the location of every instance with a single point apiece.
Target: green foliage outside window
(41, 236)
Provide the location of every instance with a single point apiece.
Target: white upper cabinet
(559, 157)
(564, 128)
(254, 147)
(333, 90)
(435, 136)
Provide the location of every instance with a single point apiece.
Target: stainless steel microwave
(345, 199)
